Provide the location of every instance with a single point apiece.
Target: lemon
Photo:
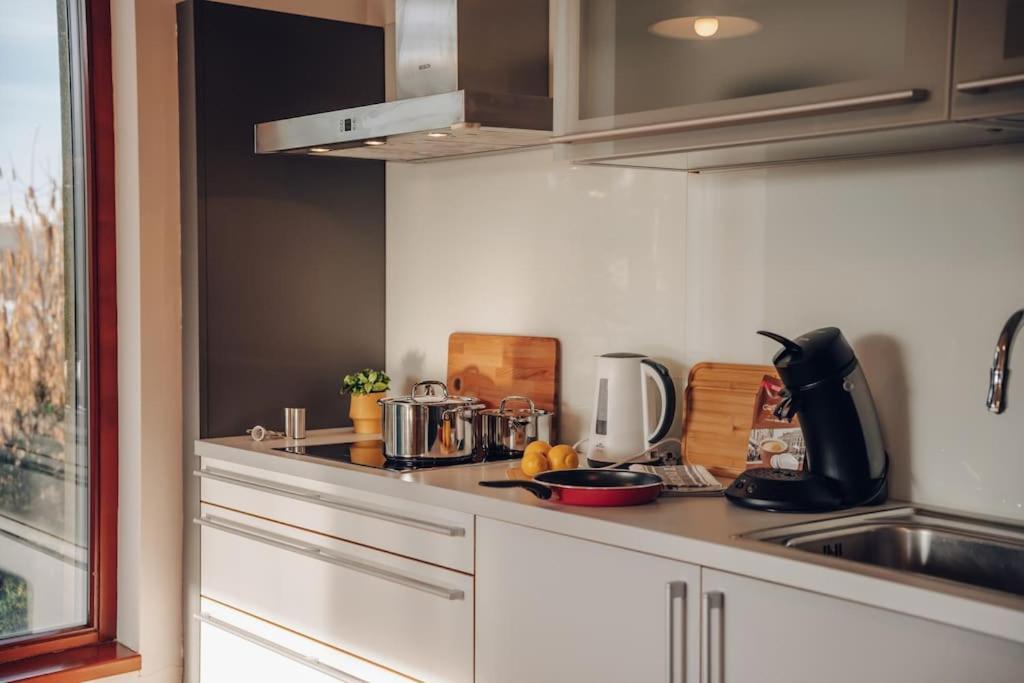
(563, 457)
(541, 447)
(534, 463)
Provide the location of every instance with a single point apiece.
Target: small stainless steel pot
(507, 431)
(428, 426)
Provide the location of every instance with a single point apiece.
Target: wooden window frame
(98, 146)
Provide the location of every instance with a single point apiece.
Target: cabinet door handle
(711, 670)
(675, 591)
(797, 110)
(982, 86)
(324, 500)
(305, 660)
(324, 555)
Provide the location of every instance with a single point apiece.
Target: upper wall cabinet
(988, 71)
(721, 83)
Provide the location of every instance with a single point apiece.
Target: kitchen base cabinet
(402, 614)
(760, 631)
(240, 647)
(554, 608)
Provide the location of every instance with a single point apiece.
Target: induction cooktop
(370, 453)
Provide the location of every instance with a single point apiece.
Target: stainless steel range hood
(470, 76)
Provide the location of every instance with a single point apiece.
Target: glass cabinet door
(988, 71)
(848, 63)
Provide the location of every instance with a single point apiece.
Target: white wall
(919, 259)
(149, 334)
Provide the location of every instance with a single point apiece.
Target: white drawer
(411, 617)
(434, 535)
(239, 647)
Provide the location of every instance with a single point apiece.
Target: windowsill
(84, 663)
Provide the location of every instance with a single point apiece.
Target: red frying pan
(588, 487)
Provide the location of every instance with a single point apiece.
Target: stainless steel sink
(969, 551)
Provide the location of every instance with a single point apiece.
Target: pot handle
(428, 383)
(540, 490)
(466, 411)
(525, 399)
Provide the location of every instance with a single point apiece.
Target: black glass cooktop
(370, 453)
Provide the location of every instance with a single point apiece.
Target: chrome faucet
(996, 401)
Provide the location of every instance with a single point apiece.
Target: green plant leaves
(366, 381)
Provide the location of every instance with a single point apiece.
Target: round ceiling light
(704, 28)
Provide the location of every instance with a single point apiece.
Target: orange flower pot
(365, 412)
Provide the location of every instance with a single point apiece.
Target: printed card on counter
(774, 442)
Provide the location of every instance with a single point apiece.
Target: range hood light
(705, 27)
(438, 134)
(375, 143)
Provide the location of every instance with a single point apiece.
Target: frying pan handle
(540, 490)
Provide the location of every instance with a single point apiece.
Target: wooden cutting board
(718, 410)
(493, 366)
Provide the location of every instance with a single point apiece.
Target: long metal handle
(797, 110)
(711, 671)
(326, 501)
(324, 555)
(305, 660)
(982, 86)
(676, 671)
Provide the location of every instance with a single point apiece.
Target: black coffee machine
(846, 462)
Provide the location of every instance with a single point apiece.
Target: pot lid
(434, 393)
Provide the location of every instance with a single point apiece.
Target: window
(58, 439)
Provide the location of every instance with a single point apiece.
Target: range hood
(469, 76)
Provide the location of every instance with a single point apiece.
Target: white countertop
(701, 531)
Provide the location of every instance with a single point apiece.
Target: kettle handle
(667, 389)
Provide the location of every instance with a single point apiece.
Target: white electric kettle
(621, 426)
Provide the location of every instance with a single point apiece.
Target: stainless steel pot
(428, 425)
(507, 431)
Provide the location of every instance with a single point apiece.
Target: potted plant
(365, 387)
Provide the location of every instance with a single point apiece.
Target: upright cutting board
(493, 366)
(718, 411)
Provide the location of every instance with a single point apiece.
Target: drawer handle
(324, 555)
(797, 110)
(982, 86)
(305, 660)
(674, 590)
(711, 600)
(326, 501)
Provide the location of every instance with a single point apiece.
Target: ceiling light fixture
(704, 27)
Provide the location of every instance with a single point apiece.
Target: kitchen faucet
(997, 377)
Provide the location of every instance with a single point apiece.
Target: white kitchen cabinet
(240, 647)
(424, 532)
(554, 608)
(760, 631)
(409, 616)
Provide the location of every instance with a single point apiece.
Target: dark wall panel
(291, 248)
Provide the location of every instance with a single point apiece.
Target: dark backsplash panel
(291, 248)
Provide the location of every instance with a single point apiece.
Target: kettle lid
(811, 357)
